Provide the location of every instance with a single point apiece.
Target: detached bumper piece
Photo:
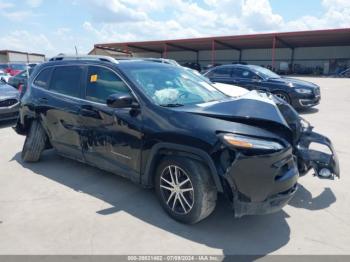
(325, 165)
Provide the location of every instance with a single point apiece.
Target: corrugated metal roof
(19, 52)
(316, 38)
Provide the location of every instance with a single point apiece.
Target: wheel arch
(167, 149)
(23, 124)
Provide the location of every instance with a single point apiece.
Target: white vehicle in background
(4, 76)
(231, 90)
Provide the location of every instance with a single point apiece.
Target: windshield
(265, 73)
(172, 86)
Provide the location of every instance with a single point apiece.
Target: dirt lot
(59, 206)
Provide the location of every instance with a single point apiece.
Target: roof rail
(84, 57)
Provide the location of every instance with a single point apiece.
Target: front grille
(8, 102)
(8, 115)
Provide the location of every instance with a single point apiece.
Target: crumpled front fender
(325, 165)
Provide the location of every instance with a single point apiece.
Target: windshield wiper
(172, 105)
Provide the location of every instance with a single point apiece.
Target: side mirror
(120, 101)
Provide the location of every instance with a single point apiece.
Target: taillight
(20, 88)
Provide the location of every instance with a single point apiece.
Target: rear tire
(191, 205)
(35, 143)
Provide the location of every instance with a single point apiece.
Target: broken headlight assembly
(250, 143)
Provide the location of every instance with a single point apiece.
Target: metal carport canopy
(316, 38)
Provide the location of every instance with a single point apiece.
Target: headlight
(303, 91)
(245, 142)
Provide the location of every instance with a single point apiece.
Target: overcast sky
(53, 27)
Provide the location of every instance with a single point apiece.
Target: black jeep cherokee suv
(161, 126)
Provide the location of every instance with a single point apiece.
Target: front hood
(295, 82)
(7, 91)
(253, 108)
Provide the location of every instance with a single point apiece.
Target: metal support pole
(213, 52)
(127, 49)
(165, 51)
(292, 61)
(273, 52)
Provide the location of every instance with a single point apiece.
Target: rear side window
(102, 82)
(42, 80)
(67, 80)
(221, 72)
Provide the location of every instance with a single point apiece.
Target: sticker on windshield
(93, 78)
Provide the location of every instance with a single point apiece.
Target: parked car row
(19, 80)
(13, 68)
(166, 127)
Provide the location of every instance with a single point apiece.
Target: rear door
(111, 137)
(59, 105)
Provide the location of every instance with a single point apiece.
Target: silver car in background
(9, 102)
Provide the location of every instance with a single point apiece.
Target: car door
(59, 105)
(246, 78)
(112, 137)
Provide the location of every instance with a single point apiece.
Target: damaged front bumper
(262, 184)
(324, 164)
(272, 204)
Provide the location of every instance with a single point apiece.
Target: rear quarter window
(42, 80)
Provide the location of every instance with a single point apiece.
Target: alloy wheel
(283, 97)
(177, 190)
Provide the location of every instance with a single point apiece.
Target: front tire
(34, 143)
(285, 97)
(185, 189)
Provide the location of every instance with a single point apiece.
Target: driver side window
(102, 82)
